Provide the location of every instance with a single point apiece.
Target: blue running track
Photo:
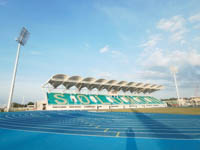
(76, 130)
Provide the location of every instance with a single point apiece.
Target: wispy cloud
(197, 26)
(153, 40)
(195, 18)
(115, 54)
(197, 39)
(178, 36)
(159, 58)
(175, 25)
(104, 49)
(156, 59)
(156, 66)
(152, 75)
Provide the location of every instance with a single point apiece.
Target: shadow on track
(168, 134)
(130, 140)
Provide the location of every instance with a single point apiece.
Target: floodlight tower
(174, 70)
(22, 39)
(22, 101)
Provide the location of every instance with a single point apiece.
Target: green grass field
(190, 111)
(168, 110)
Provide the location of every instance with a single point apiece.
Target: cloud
(156, 66)
(155, 60)
(193, 58)
(151, 42)
(166, 59)
(195, 18)
(175, 25)
(197, 26)
(104, 49)
(178, 36)
(115, 54)
(197, 39)
(152, 74)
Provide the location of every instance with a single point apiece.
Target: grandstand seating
(84, 99)
(78, 101)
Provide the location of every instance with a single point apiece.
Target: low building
(171, 102)
(41, 105)
(195, 101)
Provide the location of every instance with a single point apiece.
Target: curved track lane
(107, 124)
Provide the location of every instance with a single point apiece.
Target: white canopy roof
(101, 84)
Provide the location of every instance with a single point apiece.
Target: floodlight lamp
(23, 37)
(174, 69)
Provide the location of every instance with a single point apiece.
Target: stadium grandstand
(76, 93)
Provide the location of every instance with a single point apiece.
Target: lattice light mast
(22, 39)
(174, 71)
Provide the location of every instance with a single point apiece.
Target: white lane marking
(177, 139)
(119, 124)
(101, 130)
(118, 127)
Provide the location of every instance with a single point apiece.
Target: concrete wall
(97, 107)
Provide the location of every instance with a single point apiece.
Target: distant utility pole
(23, 100)
(174, 70)
(22, 39)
